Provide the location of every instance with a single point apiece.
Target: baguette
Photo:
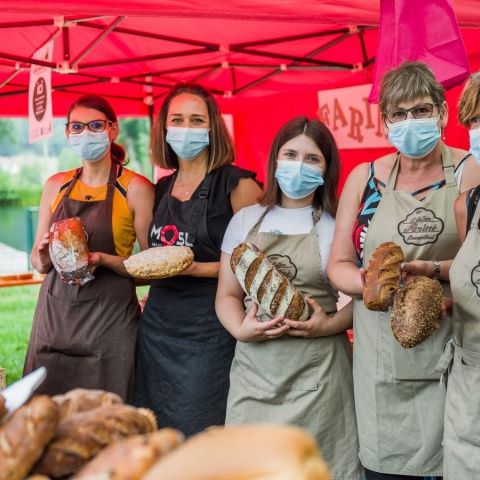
(383, 276)
(131, 458)
(82, 400)
(159, 262)
(80, 437)
(267, 286)
(24, 436)
(417, 307)
(244, 452)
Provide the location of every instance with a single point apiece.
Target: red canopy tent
(265, 60)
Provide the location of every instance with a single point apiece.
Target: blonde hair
(409, 81)
(469, 99)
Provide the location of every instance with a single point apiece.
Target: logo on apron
(284, 264)
(420, 227)
(475, 278)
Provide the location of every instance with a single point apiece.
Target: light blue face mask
(186, 142)
(296, 179)
(414, 137)
(475, 143)
(89, 146)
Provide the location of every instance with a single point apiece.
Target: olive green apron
(306, 382)
(462, 410)
(399, 402)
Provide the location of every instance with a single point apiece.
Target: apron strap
(476, 218)
(200, 207)
(448, 167)
(445, 362)
(72, 182)
(392, 178)
(256, 227)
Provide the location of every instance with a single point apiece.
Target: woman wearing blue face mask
(184, 354)
(462, 355)
(406, 197)
(85, 335)
(287, 371)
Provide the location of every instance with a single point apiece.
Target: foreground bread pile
(91, 435)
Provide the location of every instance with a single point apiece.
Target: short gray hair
(409, 81)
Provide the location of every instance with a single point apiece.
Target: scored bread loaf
(159, 262)
(416, 310)
(24, 436)
(246, 452)
(82, 400)
(268, 287)
(383, 276)
(131, 458)
(80, 437)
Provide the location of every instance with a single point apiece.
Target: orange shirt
(122, 223)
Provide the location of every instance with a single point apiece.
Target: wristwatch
(436, 269)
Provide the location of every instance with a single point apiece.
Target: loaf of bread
(267, 287)
(80, 437)
(82, 400)
(131, 458)
(383, 276)
(24, 436)
(244, 452)
(417, 308)
(159, 262)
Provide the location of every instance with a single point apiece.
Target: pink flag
(424, 31)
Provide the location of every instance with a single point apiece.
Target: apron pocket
(463, 388)
(418, 363)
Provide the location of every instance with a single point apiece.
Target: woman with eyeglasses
(406, 197)
(85, 335)
(184, 353)
(462, 355)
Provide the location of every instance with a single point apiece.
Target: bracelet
(436, 269)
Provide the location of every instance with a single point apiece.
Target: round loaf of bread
(247, 452)
(266, 285)
(159, 262)
(417, 307)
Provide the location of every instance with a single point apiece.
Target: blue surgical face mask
(186, 142)
(297, 179)
(414, 137)
(89, 146)
(475, 143)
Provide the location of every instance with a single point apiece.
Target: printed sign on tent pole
(40, 96)
(354, 122)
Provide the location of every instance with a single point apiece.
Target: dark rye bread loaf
(268, 287)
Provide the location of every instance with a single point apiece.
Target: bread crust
(159, 262)
(266, 285)
(80, 437)
(416, 309)
(247, 452)
(383, 276)
(24, 436)
(131, 458)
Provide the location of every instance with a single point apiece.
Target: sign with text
(40, 96)
(354, 122)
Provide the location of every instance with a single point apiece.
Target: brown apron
(399, 402)
(305, 382)
(461, 441)
(86, 336)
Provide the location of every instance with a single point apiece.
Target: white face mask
(297, 179)
(187, 142)
(475, 143)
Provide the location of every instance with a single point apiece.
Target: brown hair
(98, 103)
(221, 151)
(409, 81)
(469, 100)
(325, 196)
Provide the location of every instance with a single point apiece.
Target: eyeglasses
(422, 110)
(76, 128)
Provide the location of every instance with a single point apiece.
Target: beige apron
(306, 382)
(462, 410)
(399, 402)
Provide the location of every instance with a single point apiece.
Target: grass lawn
(17, 305)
